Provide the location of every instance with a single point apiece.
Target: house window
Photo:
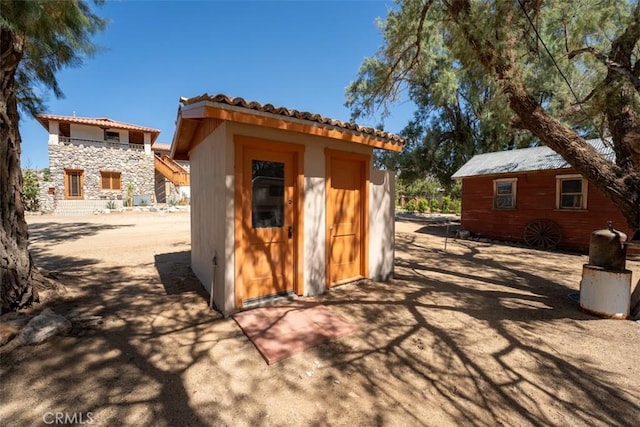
(504, 193)
(110, 136)
(73, 184)
(571, 192)
(110, 181)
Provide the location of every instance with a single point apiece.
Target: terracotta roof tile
(103, 122)
(287, 112)
(159, 146)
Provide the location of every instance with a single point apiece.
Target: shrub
(30, 190)
(456, 206)
(423, 205)
(129, 194)
(446, 204)
(434, 205)
(411, 206)
(111, 205)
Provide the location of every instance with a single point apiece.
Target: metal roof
(522, 160)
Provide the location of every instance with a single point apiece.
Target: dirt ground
(479, 334)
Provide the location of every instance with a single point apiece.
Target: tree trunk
(17, 272)
(620, 181)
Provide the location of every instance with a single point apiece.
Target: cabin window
(111, 136)
(504, 193)
(267, 204)
(110, 180)
(571, 192)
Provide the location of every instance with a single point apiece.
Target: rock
(43, 327)
(10, 325)
(7, 332)
(463, 234)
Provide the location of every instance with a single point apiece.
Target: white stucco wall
(212, 217)
(95, 133)
(91, 133)
(212, 207)
(381, 224)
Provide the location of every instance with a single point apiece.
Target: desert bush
(423, 206)
(411, 206)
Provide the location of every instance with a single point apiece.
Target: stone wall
(135, 166)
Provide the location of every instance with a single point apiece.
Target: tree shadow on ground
(176, 274)
(58, 232)
(430, 324)
(462, 337)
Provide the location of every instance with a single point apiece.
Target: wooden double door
(269, 218)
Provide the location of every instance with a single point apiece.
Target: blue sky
(296, 54)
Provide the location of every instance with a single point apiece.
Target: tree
(563, 71)
(37, 38)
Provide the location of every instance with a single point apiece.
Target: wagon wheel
(542, 233)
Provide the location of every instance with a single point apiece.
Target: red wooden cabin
(532, 195)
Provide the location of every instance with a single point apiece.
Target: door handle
(290, 231)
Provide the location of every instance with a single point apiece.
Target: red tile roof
(103, 122)
(287, 112)
(159, 146)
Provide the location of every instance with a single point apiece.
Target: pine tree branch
(609, 63)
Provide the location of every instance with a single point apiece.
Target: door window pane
(267, 189)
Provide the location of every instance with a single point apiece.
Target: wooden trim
(238, 284)
(286, 123)
(584, 192)
(364, 160)
(298, 285)
(67, 191)
(242, 142)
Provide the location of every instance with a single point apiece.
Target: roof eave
(215, 110)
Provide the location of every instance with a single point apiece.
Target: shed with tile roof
(533, 195)
(283, 202)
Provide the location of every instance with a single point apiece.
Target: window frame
(68, 173)
(111, 175)
(514, 191)
(113, 137)
(584, 193)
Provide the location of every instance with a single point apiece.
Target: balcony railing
(65, 140)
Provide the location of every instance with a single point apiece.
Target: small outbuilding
(533, 195)
(283, 202)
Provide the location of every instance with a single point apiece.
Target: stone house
(96, 160)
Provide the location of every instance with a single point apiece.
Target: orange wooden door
(267, 223)
(345, 219)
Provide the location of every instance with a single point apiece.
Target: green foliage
(445, 205)
(434, 205)
(421, 187)
(411, 206)
(46, 175)
(129, 192)
(431, 55)
(456, 206)
(56, 35)
(423, 205)
(30, 189)
(111, 205)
